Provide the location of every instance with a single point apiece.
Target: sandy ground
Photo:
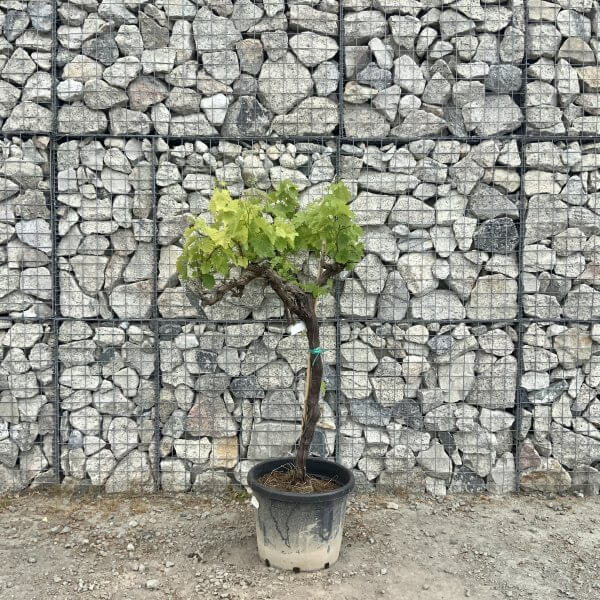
(57, 545)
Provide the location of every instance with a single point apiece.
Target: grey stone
(313, 49)
(28, 116)
(313, 116)
(78, 119)
(174, 476)
(456, 378)
(497, 235)
(246, 387)
(193, 124)
(362, 26)
(102, 47)
(209, 417)
(420, 123)
(100, 466)
(499, 114)
(305, 18)
(408, 75)
(246, 117)
(212, 32)
(271, 439)
(466, 480)
(122, 72)
(503, 79)
(384, 56)
(122, 435)
(493, 297)
(435, 462)
(496, 387)
(573, 449)
(275, 44)
(19, 67)
(250, 55)
(132, 473)
(367, 412)
(487, 202)
(132, 301)
(437, 305)
(222, 65)
(40, 14)
(87, 420)
(394, 299)
(399, 459)
(281, 405)
(582, 303)
(282, 84)
(586, 479)
(34, 233)
(375, 77)
(245, 14)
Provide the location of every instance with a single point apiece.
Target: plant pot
(300, 532)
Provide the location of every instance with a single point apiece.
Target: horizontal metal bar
(324, 320)
(315, 139)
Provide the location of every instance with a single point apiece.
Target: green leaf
(272, 227)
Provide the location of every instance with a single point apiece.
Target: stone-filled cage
(462, 353)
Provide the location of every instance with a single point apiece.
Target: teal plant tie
(316, 352)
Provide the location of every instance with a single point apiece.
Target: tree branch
(210, 297)
(328, 270)
(294, 298)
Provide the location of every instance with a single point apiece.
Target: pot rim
(315, 466)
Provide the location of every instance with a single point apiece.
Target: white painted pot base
(311, 559)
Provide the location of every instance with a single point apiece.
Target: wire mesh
(460, 353)
(410, 73)
(26, 405)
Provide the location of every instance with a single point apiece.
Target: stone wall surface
(462, 354)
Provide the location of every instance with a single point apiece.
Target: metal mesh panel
(27, 412)
(455, 69)
(104, 211)
(107, 404)
(430, 407)
(26, 65)
(461, 352)
(559, 421)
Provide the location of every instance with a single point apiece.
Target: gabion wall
(463, 354)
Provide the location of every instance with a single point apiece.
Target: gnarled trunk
(314, 376)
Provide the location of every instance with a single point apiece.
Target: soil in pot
(285, 480)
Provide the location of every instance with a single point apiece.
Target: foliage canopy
(272, 229)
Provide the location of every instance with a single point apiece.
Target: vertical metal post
(521, 142)
(337, 283)
(155, 321)
(52, 156)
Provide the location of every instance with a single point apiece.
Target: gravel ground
(57, 545)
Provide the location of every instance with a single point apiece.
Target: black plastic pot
(300, 532)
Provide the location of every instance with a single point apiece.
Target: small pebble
(130, 547)
(384, 571)
(392, 506)
(152, 584)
